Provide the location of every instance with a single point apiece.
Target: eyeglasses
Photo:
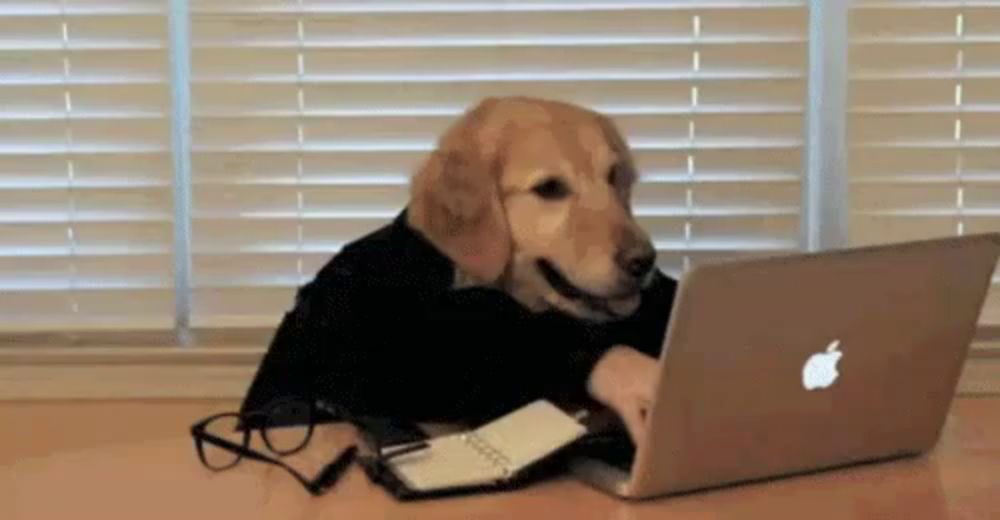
(286, 427)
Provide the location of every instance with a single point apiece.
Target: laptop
(780, 366)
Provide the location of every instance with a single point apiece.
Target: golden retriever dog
(534, 196)
(516, 272)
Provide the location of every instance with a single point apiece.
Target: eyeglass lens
(287, 427)
(225, 427)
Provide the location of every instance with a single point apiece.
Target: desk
(135, 460)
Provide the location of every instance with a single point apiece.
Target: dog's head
(533, 196)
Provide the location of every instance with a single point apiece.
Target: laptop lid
(784, 365)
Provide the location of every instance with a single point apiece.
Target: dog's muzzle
(568, 290)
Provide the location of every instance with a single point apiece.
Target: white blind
(309, 117)
(85, 228)
(924, 125)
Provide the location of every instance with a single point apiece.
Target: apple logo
(820, 370)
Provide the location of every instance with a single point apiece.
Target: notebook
(494, 456)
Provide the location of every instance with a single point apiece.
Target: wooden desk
(135, 460)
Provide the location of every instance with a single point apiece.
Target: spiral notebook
(493, 456)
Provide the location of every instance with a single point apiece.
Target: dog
(515, 267)
(534, 196)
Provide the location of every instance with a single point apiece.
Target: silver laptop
(779, 366)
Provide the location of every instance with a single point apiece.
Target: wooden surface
(133, 459)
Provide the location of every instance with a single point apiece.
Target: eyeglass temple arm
(334, 470)
(326, 477)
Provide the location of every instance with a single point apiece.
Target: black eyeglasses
(286, 426)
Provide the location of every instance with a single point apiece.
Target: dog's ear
(455, 195)
(626, 159)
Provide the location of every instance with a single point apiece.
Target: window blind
(85, 228)
(924, 123)
(309, 118)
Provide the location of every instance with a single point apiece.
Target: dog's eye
(551, 189)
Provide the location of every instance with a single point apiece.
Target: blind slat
(317, 7)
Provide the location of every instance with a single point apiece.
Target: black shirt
(380, 331)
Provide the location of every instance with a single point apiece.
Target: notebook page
(530, 433)
(449, 462)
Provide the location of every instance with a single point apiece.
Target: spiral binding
(489, 452)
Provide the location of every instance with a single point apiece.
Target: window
(85, 170)
(306, 118)
(925, 122)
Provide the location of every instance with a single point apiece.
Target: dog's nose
(638, 262)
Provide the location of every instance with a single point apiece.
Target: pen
(395, 452)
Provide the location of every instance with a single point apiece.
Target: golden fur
(518, 180)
